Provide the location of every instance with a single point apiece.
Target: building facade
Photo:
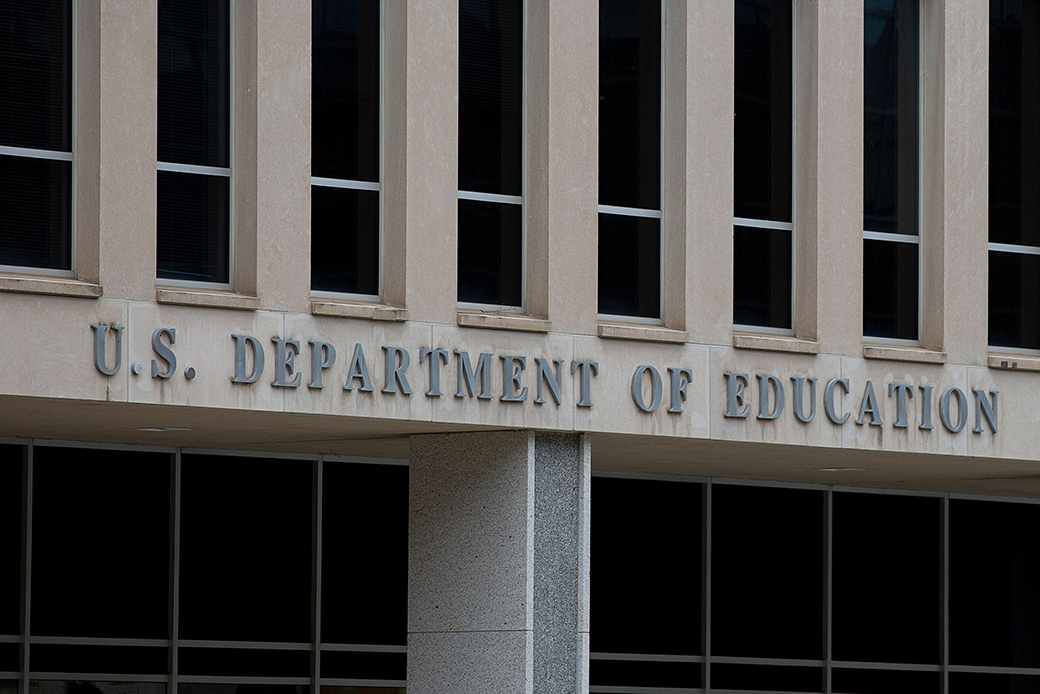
(517, 346)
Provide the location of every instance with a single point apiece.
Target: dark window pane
(344, 240)
(242, 662)
(1014, 300)
(10, 662)
(128, 660)
(758, 608)
(890, 284)
(243, 689)
(245, 549)
(890, 125)
(95, 687)
(629, 266)
(994, 584)
(101, 543)
(490, 253)
(35, 202)
(345, 89)
(193, 242)
(884, 682)
(972, 683)
(762, 261)
(762, 112)
(327, 689)
(630, 103)
(365, 554)
(636, 673)
(766, 678)
(363, 666)
(194, 81)
(490, 96)
(36, 74)
(646, 579)
(886, 582)
(1014, 122)
(10, 539)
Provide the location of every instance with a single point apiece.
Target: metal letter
(468, 376)
(358, 369)
(240, 359)
(799, 400)
(985, 407)
(926, 407)
(735, 385)
(869, 405)
(902, 392)
(396, 361)
(164, 353)
(679, 377)
(100, 363)
(962, 409)
(763, 396)
(285, 352)
(545, 376)
(656, 388)
(436, 356)
(511, 367)
(828, 400)
(323, 356)
(586, 370)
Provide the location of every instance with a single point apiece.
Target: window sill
(772, 343)
(1014, 362)
(503, 321)
(612, 331)
(51, 287)
(182, 297)
(917, 354)
(367, 311)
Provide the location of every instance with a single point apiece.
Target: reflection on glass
(94, 687)
(243, 689)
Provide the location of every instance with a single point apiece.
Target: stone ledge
(366, 311)
(191, 297)
(645, 333)
(917, 354)
(1014, 362)
(775, 343)
(503, 321)
(50, 286)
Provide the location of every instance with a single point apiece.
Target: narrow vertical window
(891, 229)
(762, 147)
(491, 191)
(1014, 174)
(345, 152)
(630, 247)
(194, 170)
(36, 135)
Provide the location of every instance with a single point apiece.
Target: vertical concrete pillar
(498, 568)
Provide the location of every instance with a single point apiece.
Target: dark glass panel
(245, 549)
(890, 283)
(890, 123)
(35, 206)
(127, 660)
(10, 540)
(241, 662)
(994, 584)
(36, 74)
(1014, 122)
(345, 240)
(635, 673)
(646, 579)
(363, 666)
(765, 678)
(75, 686)
(345, 89)
(762, 113)
(629, 266)
(762, 260)
(365, 554)
(767, 574)
(193, 239)
(886, 581)
(491, 74)
(973, 683)
(10, 660)
(243, 689)
(101, 543)
(1014, 300)
(326, 689)
(490, 253)
(630, 103)
(884, 682)
(194, 81)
